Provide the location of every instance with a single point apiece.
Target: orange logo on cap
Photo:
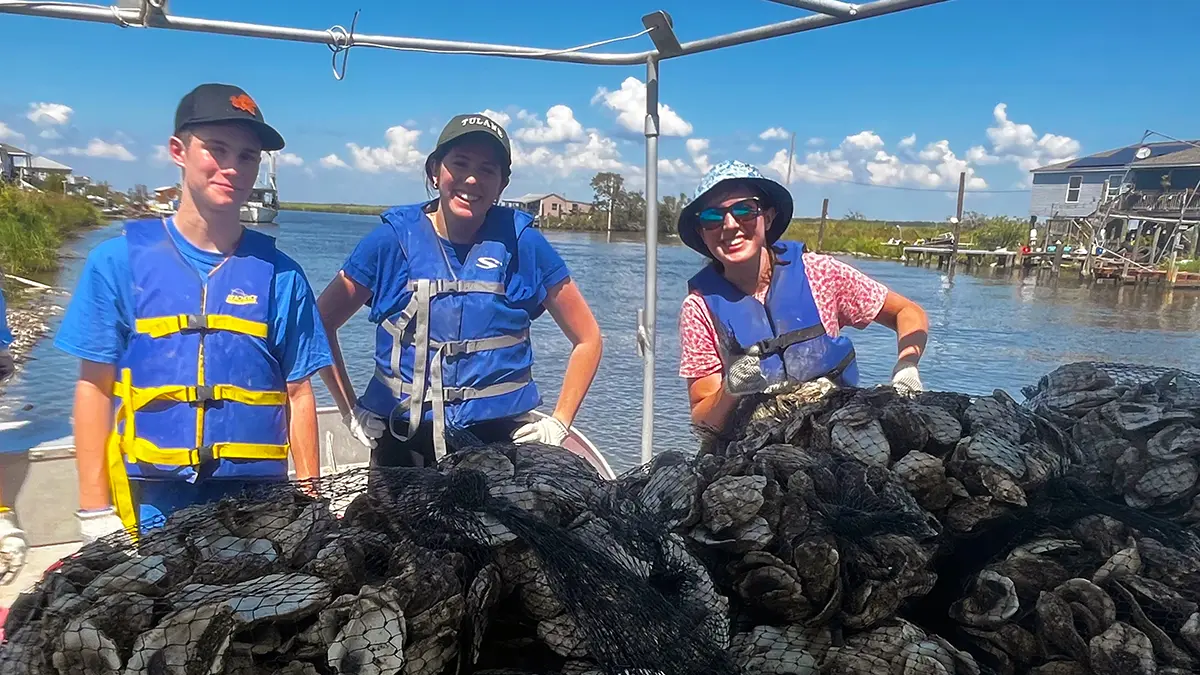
(244, 102)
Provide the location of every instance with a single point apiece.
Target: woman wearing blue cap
(453, 285)
(779, 307)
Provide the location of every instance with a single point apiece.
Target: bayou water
(988, 331)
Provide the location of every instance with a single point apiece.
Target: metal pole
(962, 187)
(821, 228)
(791, 154)
(646, 335)
(132, 17)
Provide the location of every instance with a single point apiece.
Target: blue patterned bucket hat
(733, 170)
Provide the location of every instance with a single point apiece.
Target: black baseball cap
(463, 125)
(225, 103)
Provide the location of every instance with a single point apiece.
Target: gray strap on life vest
(418, 309)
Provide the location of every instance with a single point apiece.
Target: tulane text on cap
(483, 122)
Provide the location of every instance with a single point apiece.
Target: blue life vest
(787, 323)
(198, 393)
(461, 336)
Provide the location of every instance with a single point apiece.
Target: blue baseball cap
(733, 170)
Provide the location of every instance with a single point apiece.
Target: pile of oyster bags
(844, 531)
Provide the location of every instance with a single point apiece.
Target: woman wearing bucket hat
(453, 285)
(762, 312)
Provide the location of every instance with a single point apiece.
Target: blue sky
(907, 100)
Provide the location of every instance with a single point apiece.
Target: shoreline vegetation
(853, 235)
(624, 211)
(33, 228)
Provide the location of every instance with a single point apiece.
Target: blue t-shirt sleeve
(378, 264)
(96, 325)
(551, 268)
(298, 336)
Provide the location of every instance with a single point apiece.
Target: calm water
(985, 332)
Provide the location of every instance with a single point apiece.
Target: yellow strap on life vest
(140, 397)
(160, 326)
(118, 478)
(143, 450)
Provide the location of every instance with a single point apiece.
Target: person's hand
(547, 430)
(365, 426)
(98, 523)
(905, 378)
(746, 376)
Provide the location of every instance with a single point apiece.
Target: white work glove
(94, 525)
(13, 546)
(547, 430)
(906, 379)
(746, 376)
(365, 425)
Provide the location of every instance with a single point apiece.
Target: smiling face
(740, 235)
(220, 164)
(469, 179)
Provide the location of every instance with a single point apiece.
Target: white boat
(263, 204)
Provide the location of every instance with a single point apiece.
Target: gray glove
(746, 376)
(94, 525)
(906, 379)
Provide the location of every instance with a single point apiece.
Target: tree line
(626, 207)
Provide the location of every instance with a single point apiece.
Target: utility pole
(962, 187)
(821, 227)
(612, 198)
(791, 154)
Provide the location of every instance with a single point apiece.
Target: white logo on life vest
(239, 297)
(487, 263)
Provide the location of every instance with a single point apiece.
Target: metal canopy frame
(658, 26)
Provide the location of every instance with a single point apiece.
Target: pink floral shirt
(844, 297)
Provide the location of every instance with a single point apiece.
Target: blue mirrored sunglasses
(744, 212)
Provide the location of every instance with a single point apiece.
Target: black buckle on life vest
(194, 322)
(204, 455)
(205, 395)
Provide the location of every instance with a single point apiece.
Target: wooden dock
(1100, 269)
(926, 255)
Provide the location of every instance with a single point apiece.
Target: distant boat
(263, 204)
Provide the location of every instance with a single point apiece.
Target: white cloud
(815, 142)
(501, 118)
(773, 134)
(596, 153)
(864, 140)
(50, 134)
(289, 159)
(1017, 143)
(908, 141)
(754, 147)
(560, 126)
(400, 154)
(630, 104)
(161, 155)
(979, 155)
(49, 114)
(99, 149)
(8, 134)
(860, 157)
(332, 161)
(698, 149)
(675, 167)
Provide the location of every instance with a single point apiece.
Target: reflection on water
(988, 330)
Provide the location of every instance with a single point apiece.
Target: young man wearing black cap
(198, 338)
